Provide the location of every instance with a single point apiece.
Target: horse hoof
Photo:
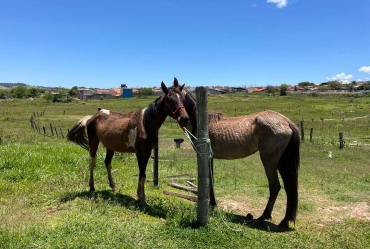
(258, 222)
(284, 224)
(143, 204)
(249, 217)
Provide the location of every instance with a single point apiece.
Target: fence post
(302, 131)
(51, 128)
(56, 131)
(311, 132)
(341, 141)
(202, 157)
(31, 121)
(61, 132)
(44, 130)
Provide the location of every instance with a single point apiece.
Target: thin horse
(134, 132)
(275, 137)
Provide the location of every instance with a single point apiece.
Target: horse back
(116, 131)
(239, 137)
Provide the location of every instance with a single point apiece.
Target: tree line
(330, 85)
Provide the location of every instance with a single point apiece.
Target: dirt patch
(326, 211)
(358, 211)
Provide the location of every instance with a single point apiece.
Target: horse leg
(212, 197)
(93, 144)
(92, 166)
(288, 169)
(142, 158)
(274, 187)
(108, 165)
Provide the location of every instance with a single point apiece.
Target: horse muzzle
(183, 121)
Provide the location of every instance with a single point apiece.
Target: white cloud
(342, 77)
(279, 3)
(365, 69)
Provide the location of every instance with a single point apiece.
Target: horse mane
(191, 108)
(150, 112)
(215, 116)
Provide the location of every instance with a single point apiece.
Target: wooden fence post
(341, 141)
(56, 131)
(311, 132)
(31, 121)
(51, 128)
(61, 132)
(302, 131)
(202, 157)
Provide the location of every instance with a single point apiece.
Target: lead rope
(200, 142)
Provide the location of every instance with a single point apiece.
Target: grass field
(45, 202)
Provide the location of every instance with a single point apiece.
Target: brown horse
(134, 132)
(275, 137)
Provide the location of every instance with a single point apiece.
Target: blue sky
(203, 43)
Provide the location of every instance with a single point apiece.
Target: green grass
(45, 202)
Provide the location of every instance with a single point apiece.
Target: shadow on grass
(161, 212)
(267, 226)
(117, 199)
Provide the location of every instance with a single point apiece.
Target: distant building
(238, 89)
(98, 94)
(157, 91)
(126, 92)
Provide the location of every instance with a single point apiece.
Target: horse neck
(191, 109)
(154, 116)
(190, 106)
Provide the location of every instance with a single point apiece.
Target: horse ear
(175, 82)
(182, 87)
(164, 88)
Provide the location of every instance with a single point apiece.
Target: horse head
(189, 104)
(174, 102)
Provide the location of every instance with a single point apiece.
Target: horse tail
(78, 133)
(288, 167)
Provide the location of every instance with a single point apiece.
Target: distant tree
(271, 90)
(351, 86)
(306, 83)
(334, 85)
(48, 97)
(145, 91)
(227, 89)
(365, 86)
(33, 92)
(19, 92)
(283, 89)
(4, 92)
(72, 92)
